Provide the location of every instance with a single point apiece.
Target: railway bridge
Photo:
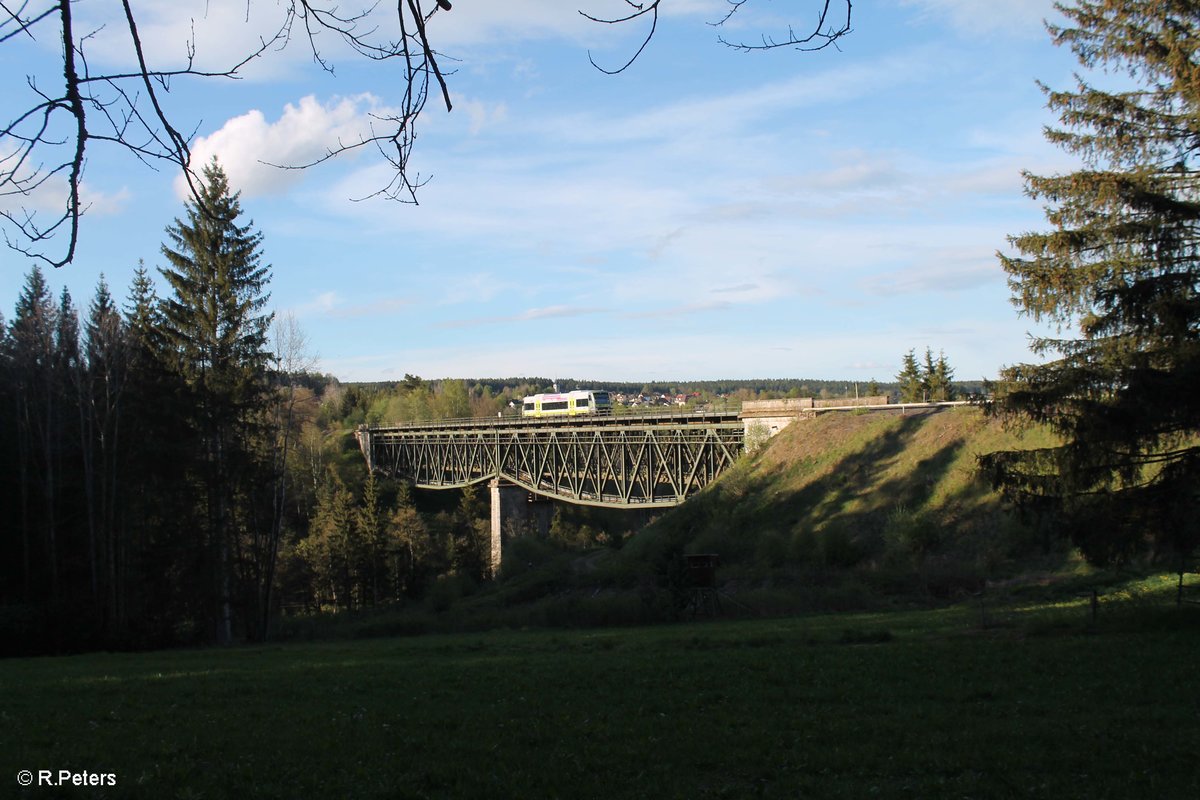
(632, 461)
(624, 461)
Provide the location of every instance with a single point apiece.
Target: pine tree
(215, 331)
(155, 509)
(372, 530)
(912, 384)
(939, 378)
(1120, 268)
(32, 356)
(66, 468)
(11, 577)
(412, 546)
(102, 397)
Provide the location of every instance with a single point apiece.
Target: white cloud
(252, 149)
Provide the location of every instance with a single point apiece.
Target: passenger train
(567, 404)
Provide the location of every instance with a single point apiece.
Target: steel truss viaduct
(649, 461)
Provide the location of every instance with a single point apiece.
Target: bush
(447, 590)
(839, 547)
(771, 549)
(911, 533)
(525, 553)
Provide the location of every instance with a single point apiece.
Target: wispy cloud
(479, 113)
(1021, 18)
(220, 35)
(332, 304)
(944, 277)
(680, 311)
(529, 315)
(381, 307)
(477, 23)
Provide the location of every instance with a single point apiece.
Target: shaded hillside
(893, 498)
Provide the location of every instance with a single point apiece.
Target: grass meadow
(1030, 701)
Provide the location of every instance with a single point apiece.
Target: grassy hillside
(862, 491)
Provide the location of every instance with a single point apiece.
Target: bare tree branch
(639, 10)
(823, 34)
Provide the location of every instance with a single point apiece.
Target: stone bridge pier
(516, 511)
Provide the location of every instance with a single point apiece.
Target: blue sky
(706, 214)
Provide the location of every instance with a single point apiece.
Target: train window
(581, 402)
(557, 405)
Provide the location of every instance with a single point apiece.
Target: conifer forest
(176, 474)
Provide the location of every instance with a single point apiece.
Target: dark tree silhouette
(1120, 269)
(216, 333)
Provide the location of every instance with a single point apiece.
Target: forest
(176, 473)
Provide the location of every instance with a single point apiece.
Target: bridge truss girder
(643, 465)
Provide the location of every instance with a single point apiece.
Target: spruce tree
(215, 341)
(102, 398)
(10, 540)
(32, 362)
(912, 383)
(1118, 274)
(938, 377)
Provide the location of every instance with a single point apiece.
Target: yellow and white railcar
(567, 404)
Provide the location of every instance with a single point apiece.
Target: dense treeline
(174, 471)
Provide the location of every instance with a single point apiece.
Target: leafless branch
(639, 10)
(824, 33)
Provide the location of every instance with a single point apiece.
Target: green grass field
(926, 704)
